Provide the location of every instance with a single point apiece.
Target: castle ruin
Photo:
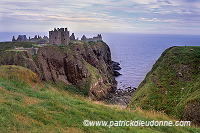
(94, 39)
(38, 39)
(59, 36)
(20, 38)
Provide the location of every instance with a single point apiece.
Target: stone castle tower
(59, 36)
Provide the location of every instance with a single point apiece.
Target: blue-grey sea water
(138, 52)
(135, 52)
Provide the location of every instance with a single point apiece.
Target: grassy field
(30, 105)
(173, 84)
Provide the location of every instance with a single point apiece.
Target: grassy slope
(172, 83)
(29, 105)
(11, 45)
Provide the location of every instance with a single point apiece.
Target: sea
(136, 53)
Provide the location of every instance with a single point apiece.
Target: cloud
(100, 15)
(159, 20)
(165, 1)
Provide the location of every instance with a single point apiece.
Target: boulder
(116, 73)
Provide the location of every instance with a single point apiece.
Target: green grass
(172, 84)
(11, 45)
(29, 105)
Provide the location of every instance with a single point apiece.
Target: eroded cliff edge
(88, 66)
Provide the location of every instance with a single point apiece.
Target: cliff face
(173, 85)
(19, 58)
(87, 66)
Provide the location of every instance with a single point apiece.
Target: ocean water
(135, 52)
(138, 52)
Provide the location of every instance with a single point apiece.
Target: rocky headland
(88, 66)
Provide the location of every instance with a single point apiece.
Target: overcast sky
(137, 16)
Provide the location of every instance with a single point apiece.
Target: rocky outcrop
(122, 96)
(116, 73)
(116, 67)
(87, 66)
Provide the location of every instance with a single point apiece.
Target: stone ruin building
(20, 38)
(59, 36)
(72, 37)
(37, 39)
(95, 39)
